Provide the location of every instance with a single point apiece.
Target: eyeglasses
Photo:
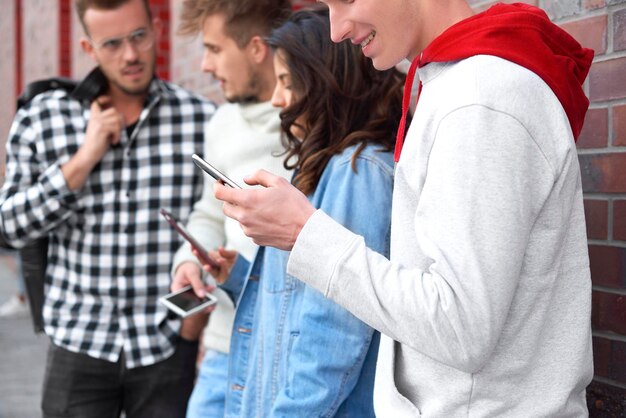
(140, 39)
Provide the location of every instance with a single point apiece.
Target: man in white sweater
(485, 303)
(243, 135)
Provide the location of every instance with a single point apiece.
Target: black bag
(34, 256)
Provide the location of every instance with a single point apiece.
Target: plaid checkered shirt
(109, 251)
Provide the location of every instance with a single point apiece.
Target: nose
(278, 99)
(129, 51)
(208, 64)
(339, 26)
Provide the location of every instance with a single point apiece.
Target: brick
(593, 4)
(619, 30)
(608, 266)
(597, 219)
(608, 312)
(590, 32)
(610, 359)
(601, 355)
(605, 400)
(595, 132)
(562, 8)
(603, 173)
(619, 125)
(619, 220)
(607, 81)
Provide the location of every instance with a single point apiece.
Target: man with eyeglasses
(90, 170)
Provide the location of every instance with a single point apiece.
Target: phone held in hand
(185, 302)
(202, 252)
(214, 172)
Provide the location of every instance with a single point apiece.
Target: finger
(261, 178)
(227, 254)
(198, 287)
(227, 194)
(209, 309)
(104, 102)
(232, 211)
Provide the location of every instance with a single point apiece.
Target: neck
(441, 15)
(129, 105)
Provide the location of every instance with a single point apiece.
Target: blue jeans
(209, 393)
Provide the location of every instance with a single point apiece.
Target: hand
(273, 215)
(225, 258)
(104, 128)
(189, 273)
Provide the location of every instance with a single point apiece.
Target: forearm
(30, 211)
(77, 170)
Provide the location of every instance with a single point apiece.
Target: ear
(258, 49)
(88, 48)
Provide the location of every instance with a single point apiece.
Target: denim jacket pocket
(279, 284)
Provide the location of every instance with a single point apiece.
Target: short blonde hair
(244, 19)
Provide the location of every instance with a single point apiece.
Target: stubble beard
(251, 94)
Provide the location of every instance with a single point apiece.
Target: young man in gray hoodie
(485, 301)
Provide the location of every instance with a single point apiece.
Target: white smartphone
(202, 252)
(184, 302)
(214, 172)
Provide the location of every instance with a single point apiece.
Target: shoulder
(47, 105)
(371, 157)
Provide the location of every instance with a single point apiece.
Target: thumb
(261, 178)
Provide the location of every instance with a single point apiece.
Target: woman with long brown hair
(294, 352)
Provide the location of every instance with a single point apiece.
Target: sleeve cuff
(55, 186)
(317, 251)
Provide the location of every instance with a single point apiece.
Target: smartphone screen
(184, 302)
(214, 172)
(180, 228)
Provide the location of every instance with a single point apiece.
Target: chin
(382, 64)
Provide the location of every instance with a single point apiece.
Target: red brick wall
(65, 38)
(161, 10)
(601, 25)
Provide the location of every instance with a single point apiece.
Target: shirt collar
(96, 83)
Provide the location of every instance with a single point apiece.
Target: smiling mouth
(367, 40)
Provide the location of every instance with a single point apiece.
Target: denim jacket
(293, 352)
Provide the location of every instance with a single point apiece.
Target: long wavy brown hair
(339, 94)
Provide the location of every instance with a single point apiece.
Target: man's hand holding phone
(188, 273)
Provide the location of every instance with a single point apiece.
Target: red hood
(524, 35)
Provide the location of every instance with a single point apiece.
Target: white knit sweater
(240, 139)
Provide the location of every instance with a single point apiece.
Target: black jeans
(79, 386)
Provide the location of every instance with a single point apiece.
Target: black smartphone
(214, 172)
(202, 252)
(185, 302)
